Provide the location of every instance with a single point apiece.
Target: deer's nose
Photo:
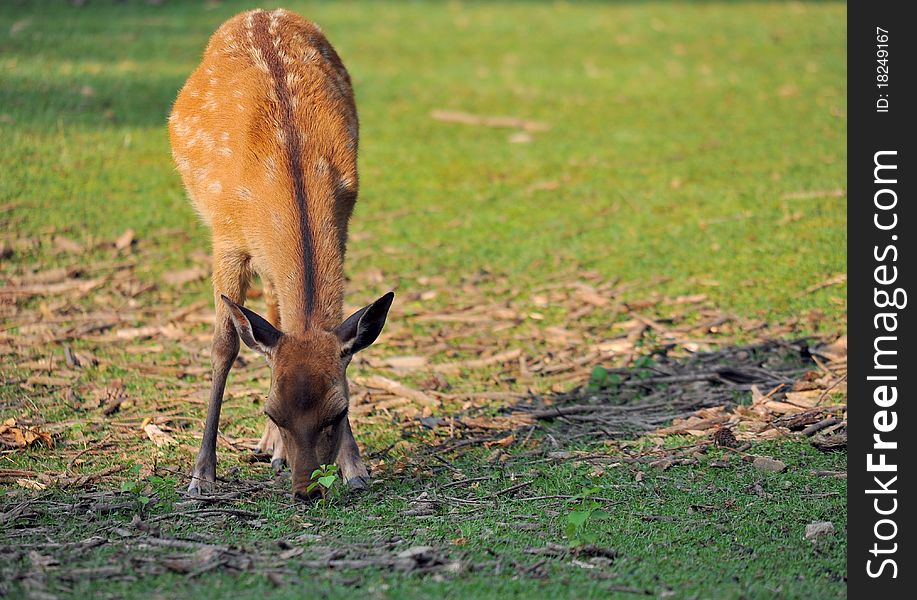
(307, 496)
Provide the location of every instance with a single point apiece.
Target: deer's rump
(267, 122)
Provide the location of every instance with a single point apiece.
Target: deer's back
(264, 132)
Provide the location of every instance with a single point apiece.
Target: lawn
(678, 181)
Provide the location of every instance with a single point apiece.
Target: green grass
(694, 531)
(676, 133)
(693, 148)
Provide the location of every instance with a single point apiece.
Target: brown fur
(243, 126)
(265, 137)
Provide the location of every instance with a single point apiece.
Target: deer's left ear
(361, 329)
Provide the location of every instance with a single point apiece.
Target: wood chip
(184, 276)
(396, 388)
(499, 358)
(451, 116)
(819, 529)
(765, 463)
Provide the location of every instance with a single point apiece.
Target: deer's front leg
(353, 471)
(228, 280)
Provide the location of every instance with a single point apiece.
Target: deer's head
(308, 400)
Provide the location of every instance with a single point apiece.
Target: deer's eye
(336, 420)
(273, 420)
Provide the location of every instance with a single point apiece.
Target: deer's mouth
(307, 496)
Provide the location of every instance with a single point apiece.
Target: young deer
(264, 134)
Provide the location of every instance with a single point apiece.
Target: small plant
(136, 486)
(602, 378)
(598, 379)
(323, 478)
(164, 488)
(581, 521)
(145, 488)
(643, 367)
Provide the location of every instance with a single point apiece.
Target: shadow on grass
(625, 403)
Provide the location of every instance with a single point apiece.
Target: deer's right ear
(255, 331)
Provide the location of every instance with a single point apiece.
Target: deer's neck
(310, 293)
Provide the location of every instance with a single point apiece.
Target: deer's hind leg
(270, 298)
(230, 278)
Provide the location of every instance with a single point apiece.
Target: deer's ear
(255, 331)
(361, 329)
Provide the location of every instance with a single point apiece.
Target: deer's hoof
(358, 483)
(277, 464)
(200, 486)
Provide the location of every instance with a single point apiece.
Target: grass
(677, 133)
(693, 147)
(691, 531)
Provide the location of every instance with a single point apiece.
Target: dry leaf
(125, 240)
(158, 436)
(65, 244)
(183, 276)
(502, 442)
(15, 435)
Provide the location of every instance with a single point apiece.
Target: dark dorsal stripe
(263, 42)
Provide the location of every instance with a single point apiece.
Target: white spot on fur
(270, 168)
(272, 27)
(346, 184)
(181, 130)
(215, 187)
(205, 139)
(276, 220)
(258, 59)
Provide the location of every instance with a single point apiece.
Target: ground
(667, 203)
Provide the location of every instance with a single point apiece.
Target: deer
(264, 135)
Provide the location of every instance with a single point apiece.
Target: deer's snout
(307, 496)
